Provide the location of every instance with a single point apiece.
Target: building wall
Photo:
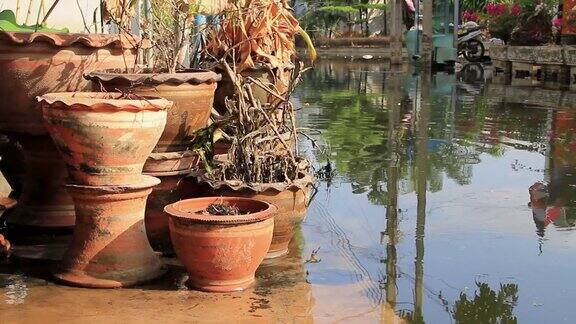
(66, 14)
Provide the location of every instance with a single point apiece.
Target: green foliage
(8, 23)
(487, 306)
(474, 5)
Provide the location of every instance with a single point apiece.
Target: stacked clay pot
(192, 92)
(221, 252)
(33, 64)
(104, 140)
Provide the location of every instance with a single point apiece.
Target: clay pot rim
(103, 101)
(266, 211)
(7, 203)
(305, 179)
(56, 39)
(191, 76)
(146, 182)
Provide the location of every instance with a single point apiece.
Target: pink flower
(470, 16)
(557, 22)
(515, 10)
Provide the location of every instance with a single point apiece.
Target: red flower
(515, 10)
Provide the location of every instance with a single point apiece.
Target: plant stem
(49, 11)
(29, 12)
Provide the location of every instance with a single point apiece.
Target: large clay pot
(221, 253)
(192, 92)
(43, 203)
(263, 74)
(291, 200)
(104, 138)
(167, 192)
(33, 64)
(109, 248)
(12, 164)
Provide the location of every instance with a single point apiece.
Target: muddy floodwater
(442, 198)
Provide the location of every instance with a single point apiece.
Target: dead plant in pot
(257, 37)
(169, 27)
(263, 162)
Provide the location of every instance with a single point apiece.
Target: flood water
(442, 199)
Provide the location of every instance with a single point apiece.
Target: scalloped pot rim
(70, 39)
(304, 180)
(185, 76)
(188, 210)
(103, 100)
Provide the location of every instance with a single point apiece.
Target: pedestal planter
(290, 199)
(167, 192)
(33, 64)
(43, 203)
(104, 138)
(221, 253)
(191, 91)
(109, 248)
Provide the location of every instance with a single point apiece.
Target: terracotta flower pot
(167, 192)
(43, 203)
(33, 64)
(221, 253)
(290, 199)
(104, 138)
(109, 248)
(192, 92)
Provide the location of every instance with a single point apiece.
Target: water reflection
(451, 150)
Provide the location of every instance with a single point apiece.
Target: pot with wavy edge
(33, 64)
(104, 138)
(109, 248)
(192, 92)
(291, 199)
(221, 253)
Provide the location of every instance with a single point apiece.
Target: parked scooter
(470, 42)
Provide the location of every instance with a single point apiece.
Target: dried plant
(256, 32)
(263, 136)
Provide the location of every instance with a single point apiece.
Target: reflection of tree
(487, 306)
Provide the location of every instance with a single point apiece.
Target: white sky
(67, 12)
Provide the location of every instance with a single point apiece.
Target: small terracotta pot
(109, 248)
(43, 203)
(104, 138)
(192, 92)
(33, 64)
(291, 201)
(171, 162)
(221, 253)
(167, 192)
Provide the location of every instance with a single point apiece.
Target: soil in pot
(104, 138)
(33, 64)
(192, 92)
(221, 252)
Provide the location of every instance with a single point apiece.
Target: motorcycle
(470, 42)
